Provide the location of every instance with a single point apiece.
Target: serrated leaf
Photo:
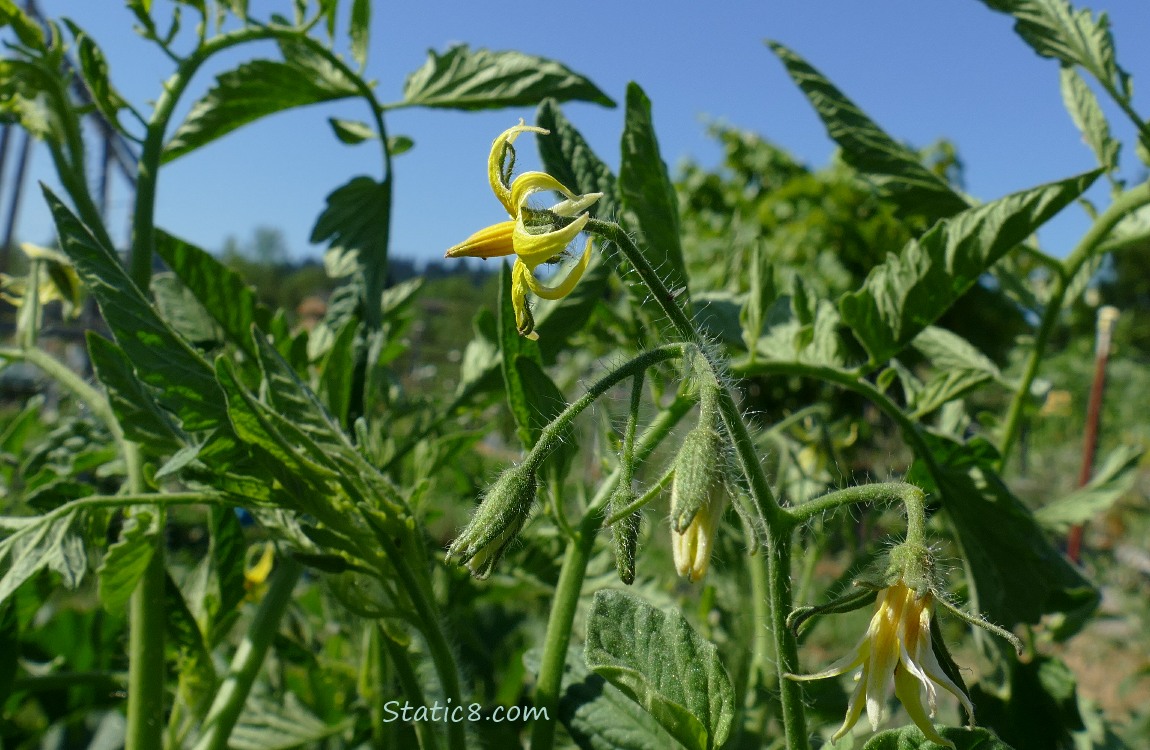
(909, 291)
(35, 544)
(180, 309)
(648, 194)
(596, 714)
(787, 339)
(355, 224)
(359, 29)
(125, 561)
(482, 79)
(221, 291)
(912, 738)
(94, 69)
(1110, 482)
(162, 359)
(134, 405)
(270, 725)
(253, 90)
(337, 372)
(1054, 29)
(1019, 576)
(958, 368)
(659, 662)
(895, 170)
(27, 31)
(352, 132)
(567, 157)
(1088, 117)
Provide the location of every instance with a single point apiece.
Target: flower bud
(698, 468)
(625, 534)
(496, 522)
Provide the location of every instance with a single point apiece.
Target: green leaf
(197, 675)
(567, 157)
(253, 90)
(895, 170)
(1088, 117)
(185, 315)
(126, 560)
(512, 346)
(337, 372)
(275, 725)
(481, 361)
(399, 144)
(27, 31)
(220, 290)
(787, 339)
(659, 662)
(227, 551)
(909, 291)
(1054, 29)
(958, 368)
(1042, 710)
(1110, 482)
(360, 29)
(355, 225)
(912, 738)
(596, 714)
(1019, 576)
(9, 657)
(464, 79)
(352, 132)
(162, 359)
(134, 405)
(648, 193)
(36, 543)
(94, 69)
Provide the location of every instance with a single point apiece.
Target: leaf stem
(1089, 245)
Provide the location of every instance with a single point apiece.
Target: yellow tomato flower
(896, 653)
(692, 548)
(256, 573)
(529, 235)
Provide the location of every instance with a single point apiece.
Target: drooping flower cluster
(535, 237)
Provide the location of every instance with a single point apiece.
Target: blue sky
(922, 70)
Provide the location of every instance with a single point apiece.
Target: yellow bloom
(692, 548)
(896, 653)
(256, 574)
(533, 237)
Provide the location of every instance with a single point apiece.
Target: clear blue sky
(923, 70)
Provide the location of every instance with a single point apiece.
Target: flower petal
(854, 707)
(534, 249)
(498, 156)
(568, 284)
(524, 323)
(909, 692)
(491, 242)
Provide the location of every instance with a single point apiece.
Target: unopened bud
(496, 522)
(625, 534)
(698, 469)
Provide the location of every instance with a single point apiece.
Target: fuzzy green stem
(767, 506)
(761, 621)
(571, 575)
(1090, 244)
(786, 645)
(412, 691)
(147, 617)
(249, 657)
(866, 494)
(552, 434)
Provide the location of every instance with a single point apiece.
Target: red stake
(1107, 316)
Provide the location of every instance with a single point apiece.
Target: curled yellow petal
(568, 284)
(534, 249)
(498, 156)
(490, 242)
(524, 323)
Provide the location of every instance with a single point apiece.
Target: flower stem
(786, 646)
